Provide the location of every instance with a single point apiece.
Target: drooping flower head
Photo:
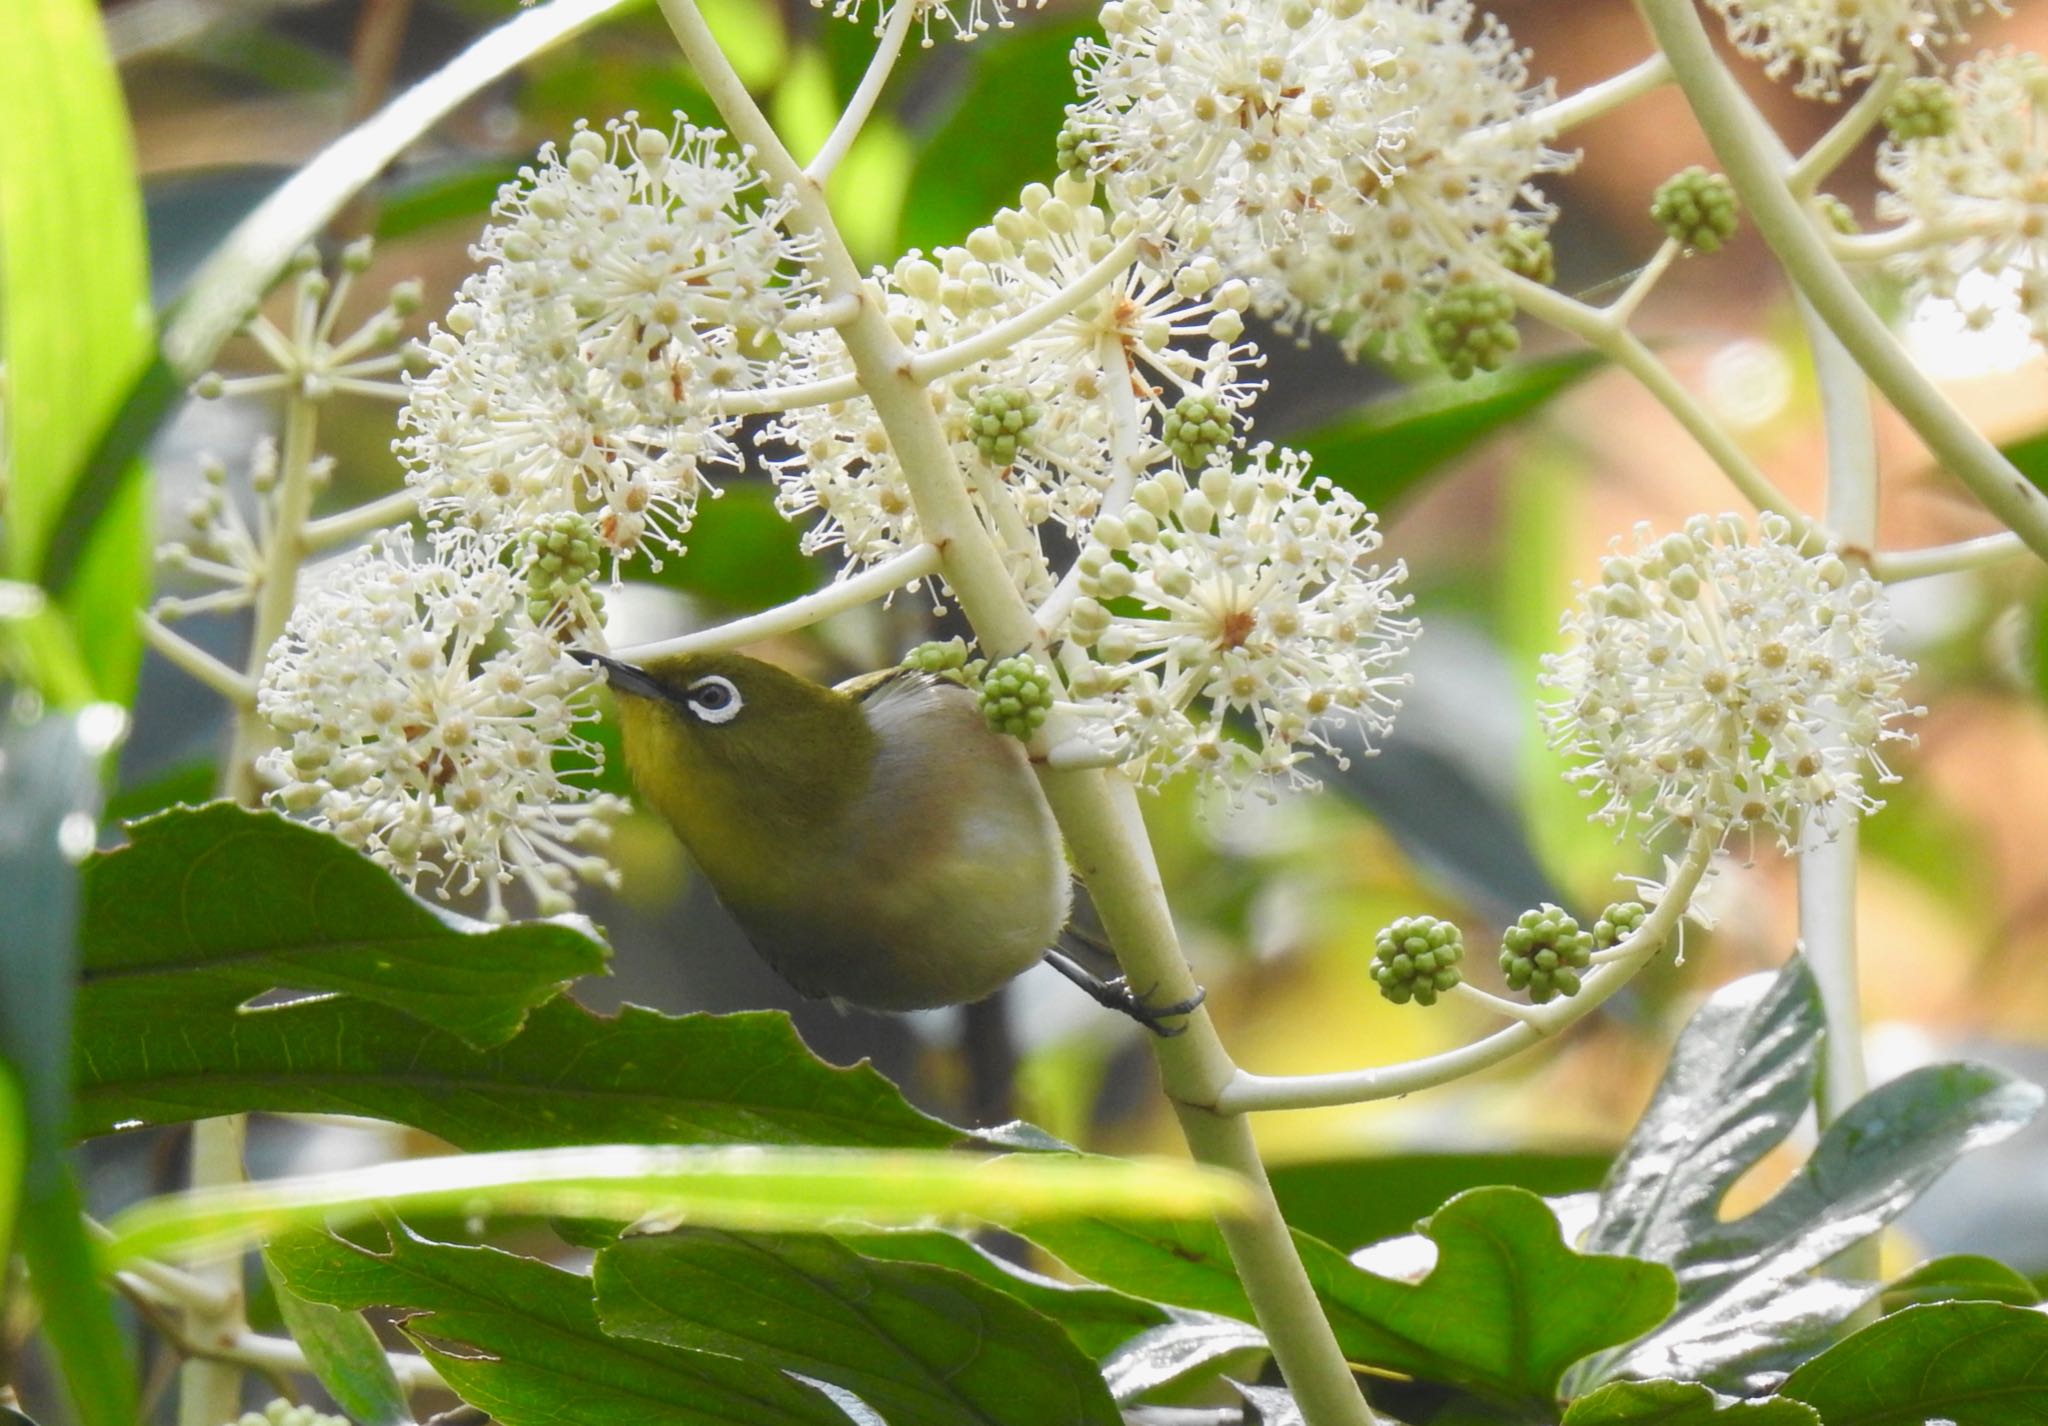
(1343, 155)
(427, 720)
(1736, 684)
(1980, 188)
(1827, 44)
(1255, 601)
(1031, 420)
(632, 278)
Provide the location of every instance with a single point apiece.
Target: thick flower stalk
(633, 279)
(1344, 157)
(1977, 186)
(1730, 684)
(426, 719)
(1826, 45)
(1261, 625)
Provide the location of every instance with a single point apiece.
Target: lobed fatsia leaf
(344, 1356)
(1098, 1319)
(521, 1339)
(1506, 1310)
(214, 906)
(570, 1077)
(1682, 1403)
(1959, 1277)
(1971, 1363)
(1740, 1076)
(1188, 1343)
(921, 1345)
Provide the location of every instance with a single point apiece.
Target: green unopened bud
(1197, 428)
(938, 656)
(1697, 208)
(1526, 252)
(1079, 141)
(208, 386)
(1002, 422)
(1923, 108)
(1472, 328)
(1016, 695)
(562, 555)
(1416, 958)
(1839, 215)
(1617, 923)
(1544, 953)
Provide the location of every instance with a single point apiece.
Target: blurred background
(1463, 815)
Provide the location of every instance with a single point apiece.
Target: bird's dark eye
(714, 699)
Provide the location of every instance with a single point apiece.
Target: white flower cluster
(965, 18)
(1981, 192)
(1827, 44)
(1256, 603)
(1344, 155)
(631, 279)
(425, 719)
(1736, 685)
(1178, 333)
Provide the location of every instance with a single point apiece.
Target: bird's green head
(728, 748)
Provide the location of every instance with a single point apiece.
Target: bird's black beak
(623, 677)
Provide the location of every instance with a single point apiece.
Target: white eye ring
(714, 699)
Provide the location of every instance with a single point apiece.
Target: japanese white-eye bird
(876, 841)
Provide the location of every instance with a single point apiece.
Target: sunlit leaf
(1189, 1343)
(1681, 1403)
(344, 1355)
(922, 1345)
(1960, 1277)
(219, 904)
(1972, 1363)
(750, 1188)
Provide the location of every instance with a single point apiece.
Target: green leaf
(922, 1345)
(1740, 1077)
(1972, 1363)
(74, 316)
(521, 1339)
(1384, 449)
(1960, 1277)
(1354, 1201)
(999, 134)
(1682, 1403)
(1098, 1319)
(570, 1077)
(1507, 1308)
(217, 905)
(49, 785)
(742, 554)
(1192, 1342)
(344, 1354)
(752, 1188)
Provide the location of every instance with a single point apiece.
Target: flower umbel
(1736, 684)
(426, 719)
(1257, 601)
(1826, 44)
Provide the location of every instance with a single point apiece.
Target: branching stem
(179, 650)
(855, 116)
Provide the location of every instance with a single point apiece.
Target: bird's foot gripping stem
(1117, 995)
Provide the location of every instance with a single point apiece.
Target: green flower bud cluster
(1923, 108)
(1526, 252)
(1472, 328)
(1839, 215)
(1697, 208)
(1002, 420)
(938, 656)
(1544, 952)
(1196, 429)
(282, 1413)
(563, 554)
(1016, 696)
(1617, 923)
(1078, 142)
(1416, 958)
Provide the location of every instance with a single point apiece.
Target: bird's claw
(1138, 1005)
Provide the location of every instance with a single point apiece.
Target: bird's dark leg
(1117, 995)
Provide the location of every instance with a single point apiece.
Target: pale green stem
(1748, 154)
(930, 366)
(1594, 100)
(1247, 1093)
(1614, 341)
(1096, 810)
(397, 508)
(1618, 312)
(875, 582)
(210, 1388)
(1895, 566)
(1839, 142)
(182, 652)
(855, 116)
